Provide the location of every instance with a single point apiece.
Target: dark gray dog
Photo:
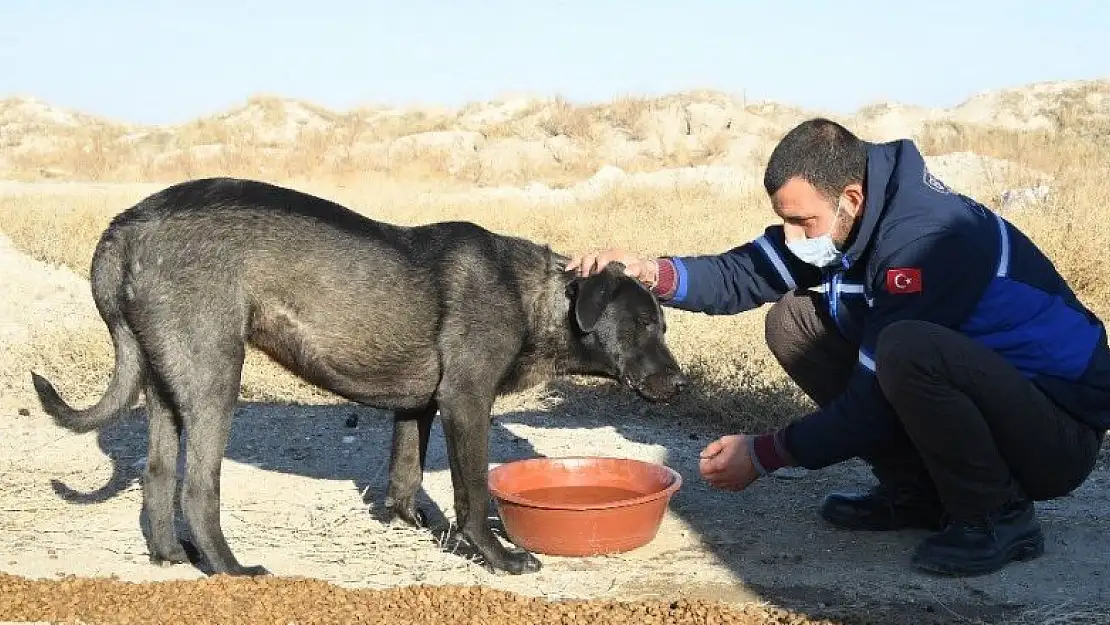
(443, 317)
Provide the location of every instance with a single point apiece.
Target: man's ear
(589, 297)
(856, 199)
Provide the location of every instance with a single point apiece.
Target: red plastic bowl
(582, 506)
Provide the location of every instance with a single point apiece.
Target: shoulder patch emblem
(903, 280)
(935, 183)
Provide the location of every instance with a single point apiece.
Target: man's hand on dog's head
(644, 269)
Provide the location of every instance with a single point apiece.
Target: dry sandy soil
(303, 484)
(295, 477)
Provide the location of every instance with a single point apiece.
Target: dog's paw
(520, 562)
(250, 571)
(169, 557)
(408, 512)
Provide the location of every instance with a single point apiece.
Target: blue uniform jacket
(979, 275)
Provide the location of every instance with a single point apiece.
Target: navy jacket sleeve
(953, 270)
(741, 279)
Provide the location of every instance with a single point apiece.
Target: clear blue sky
(160, 61)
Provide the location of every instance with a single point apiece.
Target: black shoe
(884, 508)
(980, 546)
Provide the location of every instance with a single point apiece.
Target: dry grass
(738, 379)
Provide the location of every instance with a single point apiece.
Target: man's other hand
(727, 464)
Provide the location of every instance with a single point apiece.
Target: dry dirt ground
(302, 492)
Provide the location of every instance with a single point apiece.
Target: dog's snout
(664, 385)
(677, 381)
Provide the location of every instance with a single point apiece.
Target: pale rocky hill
(513, 141)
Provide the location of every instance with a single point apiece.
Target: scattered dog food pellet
(234, 601)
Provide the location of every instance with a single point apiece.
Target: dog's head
(619, 326)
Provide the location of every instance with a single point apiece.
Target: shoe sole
(1023, 550)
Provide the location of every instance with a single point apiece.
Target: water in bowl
(579, 495)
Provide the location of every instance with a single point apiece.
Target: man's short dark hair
(820, 151)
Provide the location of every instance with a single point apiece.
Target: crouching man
(939, 344)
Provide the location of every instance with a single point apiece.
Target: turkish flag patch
(903, 280)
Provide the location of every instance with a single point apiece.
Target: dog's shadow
(343, 441)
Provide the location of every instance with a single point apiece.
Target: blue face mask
(818, 251)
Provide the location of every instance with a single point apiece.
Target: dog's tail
(127, 376)
(123, 389)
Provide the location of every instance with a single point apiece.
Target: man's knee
(905, 348)
(776, 326)
(782, 326)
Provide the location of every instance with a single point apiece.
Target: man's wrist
(665, 278)
(769, 453)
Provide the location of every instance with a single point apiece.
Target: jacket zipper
(834, 294)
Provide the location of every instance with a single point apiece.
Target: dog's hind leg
(411, 429)
(208, 411)
(160, 476)
(201, 366)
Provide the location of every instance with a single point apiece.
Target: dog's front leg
(466, 426)
(411, 429)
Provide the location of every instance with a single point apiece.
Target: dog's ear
(589, 297)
